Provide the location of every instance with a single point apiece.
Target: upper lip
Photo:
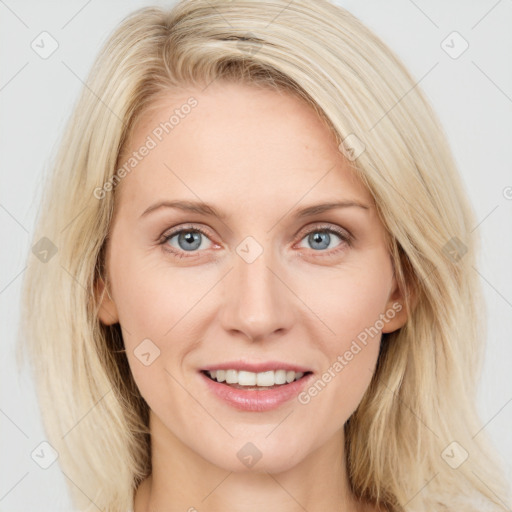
(257, 367)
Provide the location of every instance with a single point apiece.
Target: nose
(257, 300)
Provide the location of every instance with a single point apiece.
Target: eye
(185, 240)
(320, 238)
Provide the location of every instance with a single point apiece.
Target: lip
(257, 367)
(256, 400)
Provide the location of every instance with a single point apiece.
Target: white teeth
(280, 377)
(246, 378)
(265, 378)
(231, 377)
(262, 379)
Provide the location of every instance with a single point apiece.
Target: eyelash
(344, 236)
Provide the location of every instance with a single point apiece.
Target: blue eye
(190, 240)
(320, 239)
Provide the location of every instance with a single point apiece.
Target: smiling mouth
(251, 381)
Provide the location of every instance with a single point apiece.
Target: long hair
(415, 442)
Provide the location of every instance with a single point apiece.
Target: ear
(396, 311)
(108, 311)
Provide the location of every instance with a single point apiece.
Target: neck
(182, 480)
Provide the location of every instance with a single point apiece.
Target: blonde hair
(422, 396)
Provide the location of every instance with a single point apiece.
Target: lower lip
(256, 400)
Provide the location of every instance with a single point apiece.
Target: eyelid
(323, 226)
(183, 227)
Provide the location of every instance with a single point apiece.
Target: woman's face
(268, 285)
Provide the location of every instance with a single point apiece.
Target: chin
(257, 456)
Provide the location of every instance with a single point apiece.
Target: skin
(256, 155)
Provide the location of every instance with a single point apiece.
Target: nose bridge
(257, 303)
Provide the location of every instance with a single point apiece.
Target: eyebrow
(207, 209)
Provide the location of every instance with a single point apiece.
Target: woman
(263, 294)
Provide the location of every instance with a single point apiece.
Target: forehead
(236, 144)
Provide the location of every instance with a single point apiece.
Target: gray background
(472, 95)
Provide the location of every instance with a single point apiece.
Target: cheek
(353, 310)
(353, 298)
(156, 305)
(151, 296)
